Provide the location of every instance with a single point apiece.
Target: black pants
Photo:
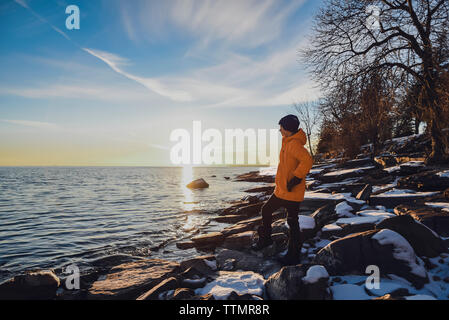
(275, 203)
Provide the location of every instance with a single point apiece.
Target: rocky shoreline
(391, 212)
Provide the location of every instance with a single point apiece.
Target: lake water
(53, 216)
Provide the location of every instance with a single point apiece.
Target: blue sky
(111, 92)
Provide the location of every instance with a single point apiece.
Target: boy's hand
(293, 182)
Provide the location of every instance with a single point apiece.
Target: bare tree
(309, 116)
(405, 37)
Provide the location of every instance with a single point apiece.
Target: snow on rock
(315, 273)
(404, 193)
(357, 220)
(306, 222)
(241, 282)
(346, 171)
(443, 205)
(402, 250)
(380, 214)
(324, 242)
(349, 292)
(343, 209)
(270, 171)
(443, 174)
(331, 227)
(211, 263)
(420, 297)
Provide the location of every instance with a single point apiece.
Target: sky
(112, 91)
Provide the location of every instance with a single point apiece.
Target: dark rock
(254, 176)
(202, 265)
(245, 297)
(34, 285)
(424, 181)
(352, 254)
(365, 193)
(291, 283)
(239, 241)
(230, 218)
(198, 184)
(194, 283)
(211, 240)
(250, 210)
(167, 284)
(390, 202)
(325, 215)
(130, 280)
(434, 218)
(185, 245)
(266, 190)
(114, 260)
(183, 294)
(423, 240)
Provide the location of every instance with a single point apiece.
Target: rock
(434, 218)
(250, 210)
(130, 280)
(242, 282)
(295, 283)
(266, 190)
(325, 215)
(198, 184)
(424, 181)
(229, 218)
(386, 161)
(167, 284)
(32, 285)
(227, 178)
(246, 261)
(114, 260)
(254, 176)
(384, 248)
(365, 193)
(251, 223)
(202, 266)
(183, 294)
(424, 241)
(279, 239)
(194, 283)
(210, 240)
(393, 198)
(185, 245)
(239, 241)
(245, 297)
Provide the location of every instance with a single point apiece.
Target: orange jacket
(294, 160)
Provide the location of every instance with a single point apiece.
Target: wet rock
(211, 240)
(185, 245)
(230, 218)
(113, 260)
(266, 190)
(384, 248)
(251, 224)
(36, 285)
(239, 241)
(198, 184)
(167, 284)
(130, 280)
(423, 240)
(254, 176)
(244, 297)
(250, 210)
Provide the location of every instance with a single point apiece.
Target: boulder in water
(198, 184)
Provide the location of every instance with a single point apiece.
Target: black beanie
(290, 123)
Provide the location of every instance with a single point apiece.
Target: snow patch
(315, 273)
(349, 292)
(343, 209)
(402, 250)
(240, 282)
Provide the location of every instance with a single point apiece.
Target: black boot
(264, 239)
(293, 255)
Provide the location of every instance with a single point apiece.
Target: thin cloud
(114, 61)
(33, 124)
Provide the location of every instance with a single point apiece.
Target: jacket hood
(300, 136)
